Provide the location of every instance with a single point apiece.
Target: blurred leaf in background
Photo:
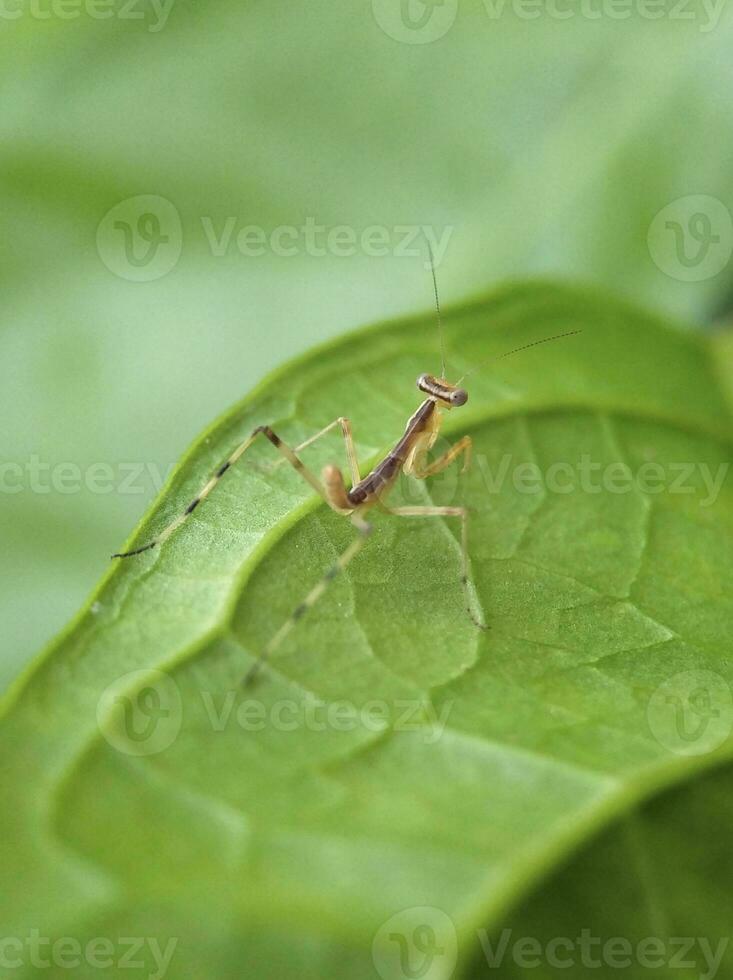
(527, 140)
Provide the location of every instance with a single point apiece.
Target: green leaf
(542, 144)
(651, 895)
(393, 757)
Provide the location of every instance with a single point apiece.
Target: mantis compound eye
(459, 397)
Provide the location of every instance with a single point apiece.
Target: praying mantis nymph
(408, 456)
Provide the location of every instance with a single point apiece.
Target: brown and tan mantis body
(408, 456)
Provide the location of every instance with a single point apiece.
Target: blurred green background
(542, 138)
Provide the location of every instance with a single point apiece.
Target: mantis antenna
(437, 310)
(516, 350)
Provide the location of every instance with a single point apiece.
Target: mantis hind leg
(262, 430)
(421, 472)
(467, 584)
(313, 596)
